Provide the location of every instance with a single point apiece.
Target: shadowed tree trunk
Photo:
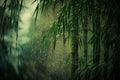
(106, 60)
(96, 31)
(116, 63)
(75, 41)
(85, 38)
(96, 44)
(75, 52)
(116, 51)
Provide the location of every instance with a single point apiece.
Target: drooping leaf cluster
(9, 18)
(103, 15)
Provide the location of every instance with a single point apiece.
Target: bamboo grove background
(85, 24)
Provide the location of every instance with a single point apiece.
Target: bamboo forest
(59, 40)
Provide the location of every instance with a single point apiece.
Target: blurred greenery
(59, 40)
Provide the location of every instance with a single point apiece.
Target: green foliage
(73, 15)
(104, 17)
(9, 18)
